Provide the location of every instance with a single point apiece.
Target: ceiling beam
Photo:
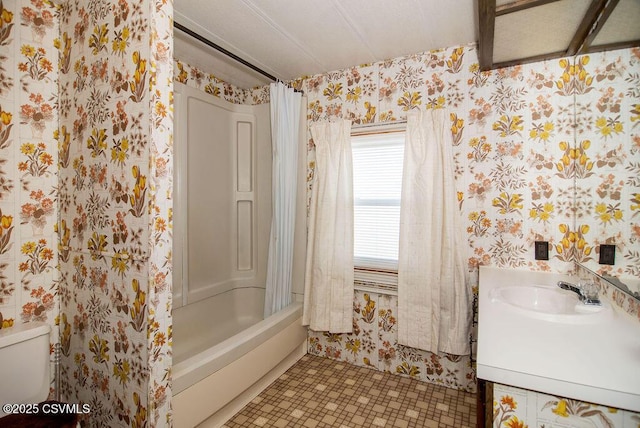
(520, 5)
(590, 19)
(595, 29)
(487, 22)
(536, 58)
(581, 43)
(612, 46)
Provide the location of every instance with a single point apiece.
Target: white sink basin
(550, 303)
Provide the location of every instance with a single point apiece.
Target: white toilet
(24, 364)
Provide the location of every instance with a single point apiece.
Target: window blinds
(377, 185)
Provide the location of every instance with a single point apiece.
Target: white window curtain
(433, 297)
(328, 295)
(285, 120)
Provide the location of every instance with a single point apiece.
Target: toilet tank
(24, 363)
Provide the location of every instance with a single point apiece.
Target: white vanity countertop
(597, 363)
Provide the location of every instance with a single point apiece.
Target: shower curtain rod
(222, 50)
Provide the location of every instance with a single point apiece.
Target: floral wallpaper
(209, 83)
(159, 276)
(607, 160)
(85, 196)
(114, 197)
(108, 87)
(513, 132)
(29, 282)
(517, 408)
(374, 343)
(88, 87)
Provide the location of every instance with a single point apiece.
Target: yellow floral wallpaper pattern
(115, 208)
(374, 343)
(518, 408)
(28, 156)
(513, 132)
(87, 87)
(209, 83)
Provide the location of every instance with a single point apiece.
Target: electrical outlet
(542, 250)
(607, 254)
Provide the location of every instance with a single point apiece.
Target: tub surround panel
(245, 159)
(207, 322)
(245, 194)
(507, 123)
(224, 179)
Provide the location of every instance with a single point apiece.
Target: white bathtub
(222, 346)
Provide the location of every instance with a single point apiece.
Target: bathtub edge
(203, 399)
(225, 413)
(196, 368)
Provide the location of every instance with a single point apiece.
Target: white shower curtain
(328, 294)
(433, 297)
(285, 119)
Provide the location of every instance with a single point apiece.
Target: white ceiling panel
(241, 31)
(386, 27)
(449, 26)
(622, 25)
(319, 27)
(518, 34)
(294, 38)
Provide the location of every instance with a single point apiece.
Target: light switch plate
(542, 250)
(607, 254)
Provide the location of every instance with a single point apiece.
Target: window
(377, 185)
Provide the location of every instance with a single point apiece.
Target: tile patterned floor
(319, 392)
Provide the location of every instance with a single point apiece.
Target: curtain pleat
(328, 296)
(433, 297)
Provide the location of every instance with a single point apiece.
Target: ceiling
(294, 38)
(515, 32)
(288, 39)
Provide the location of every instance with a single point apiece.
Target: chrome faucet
(588, 297)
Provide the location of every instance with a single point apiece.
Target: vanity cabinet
(545, 368)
